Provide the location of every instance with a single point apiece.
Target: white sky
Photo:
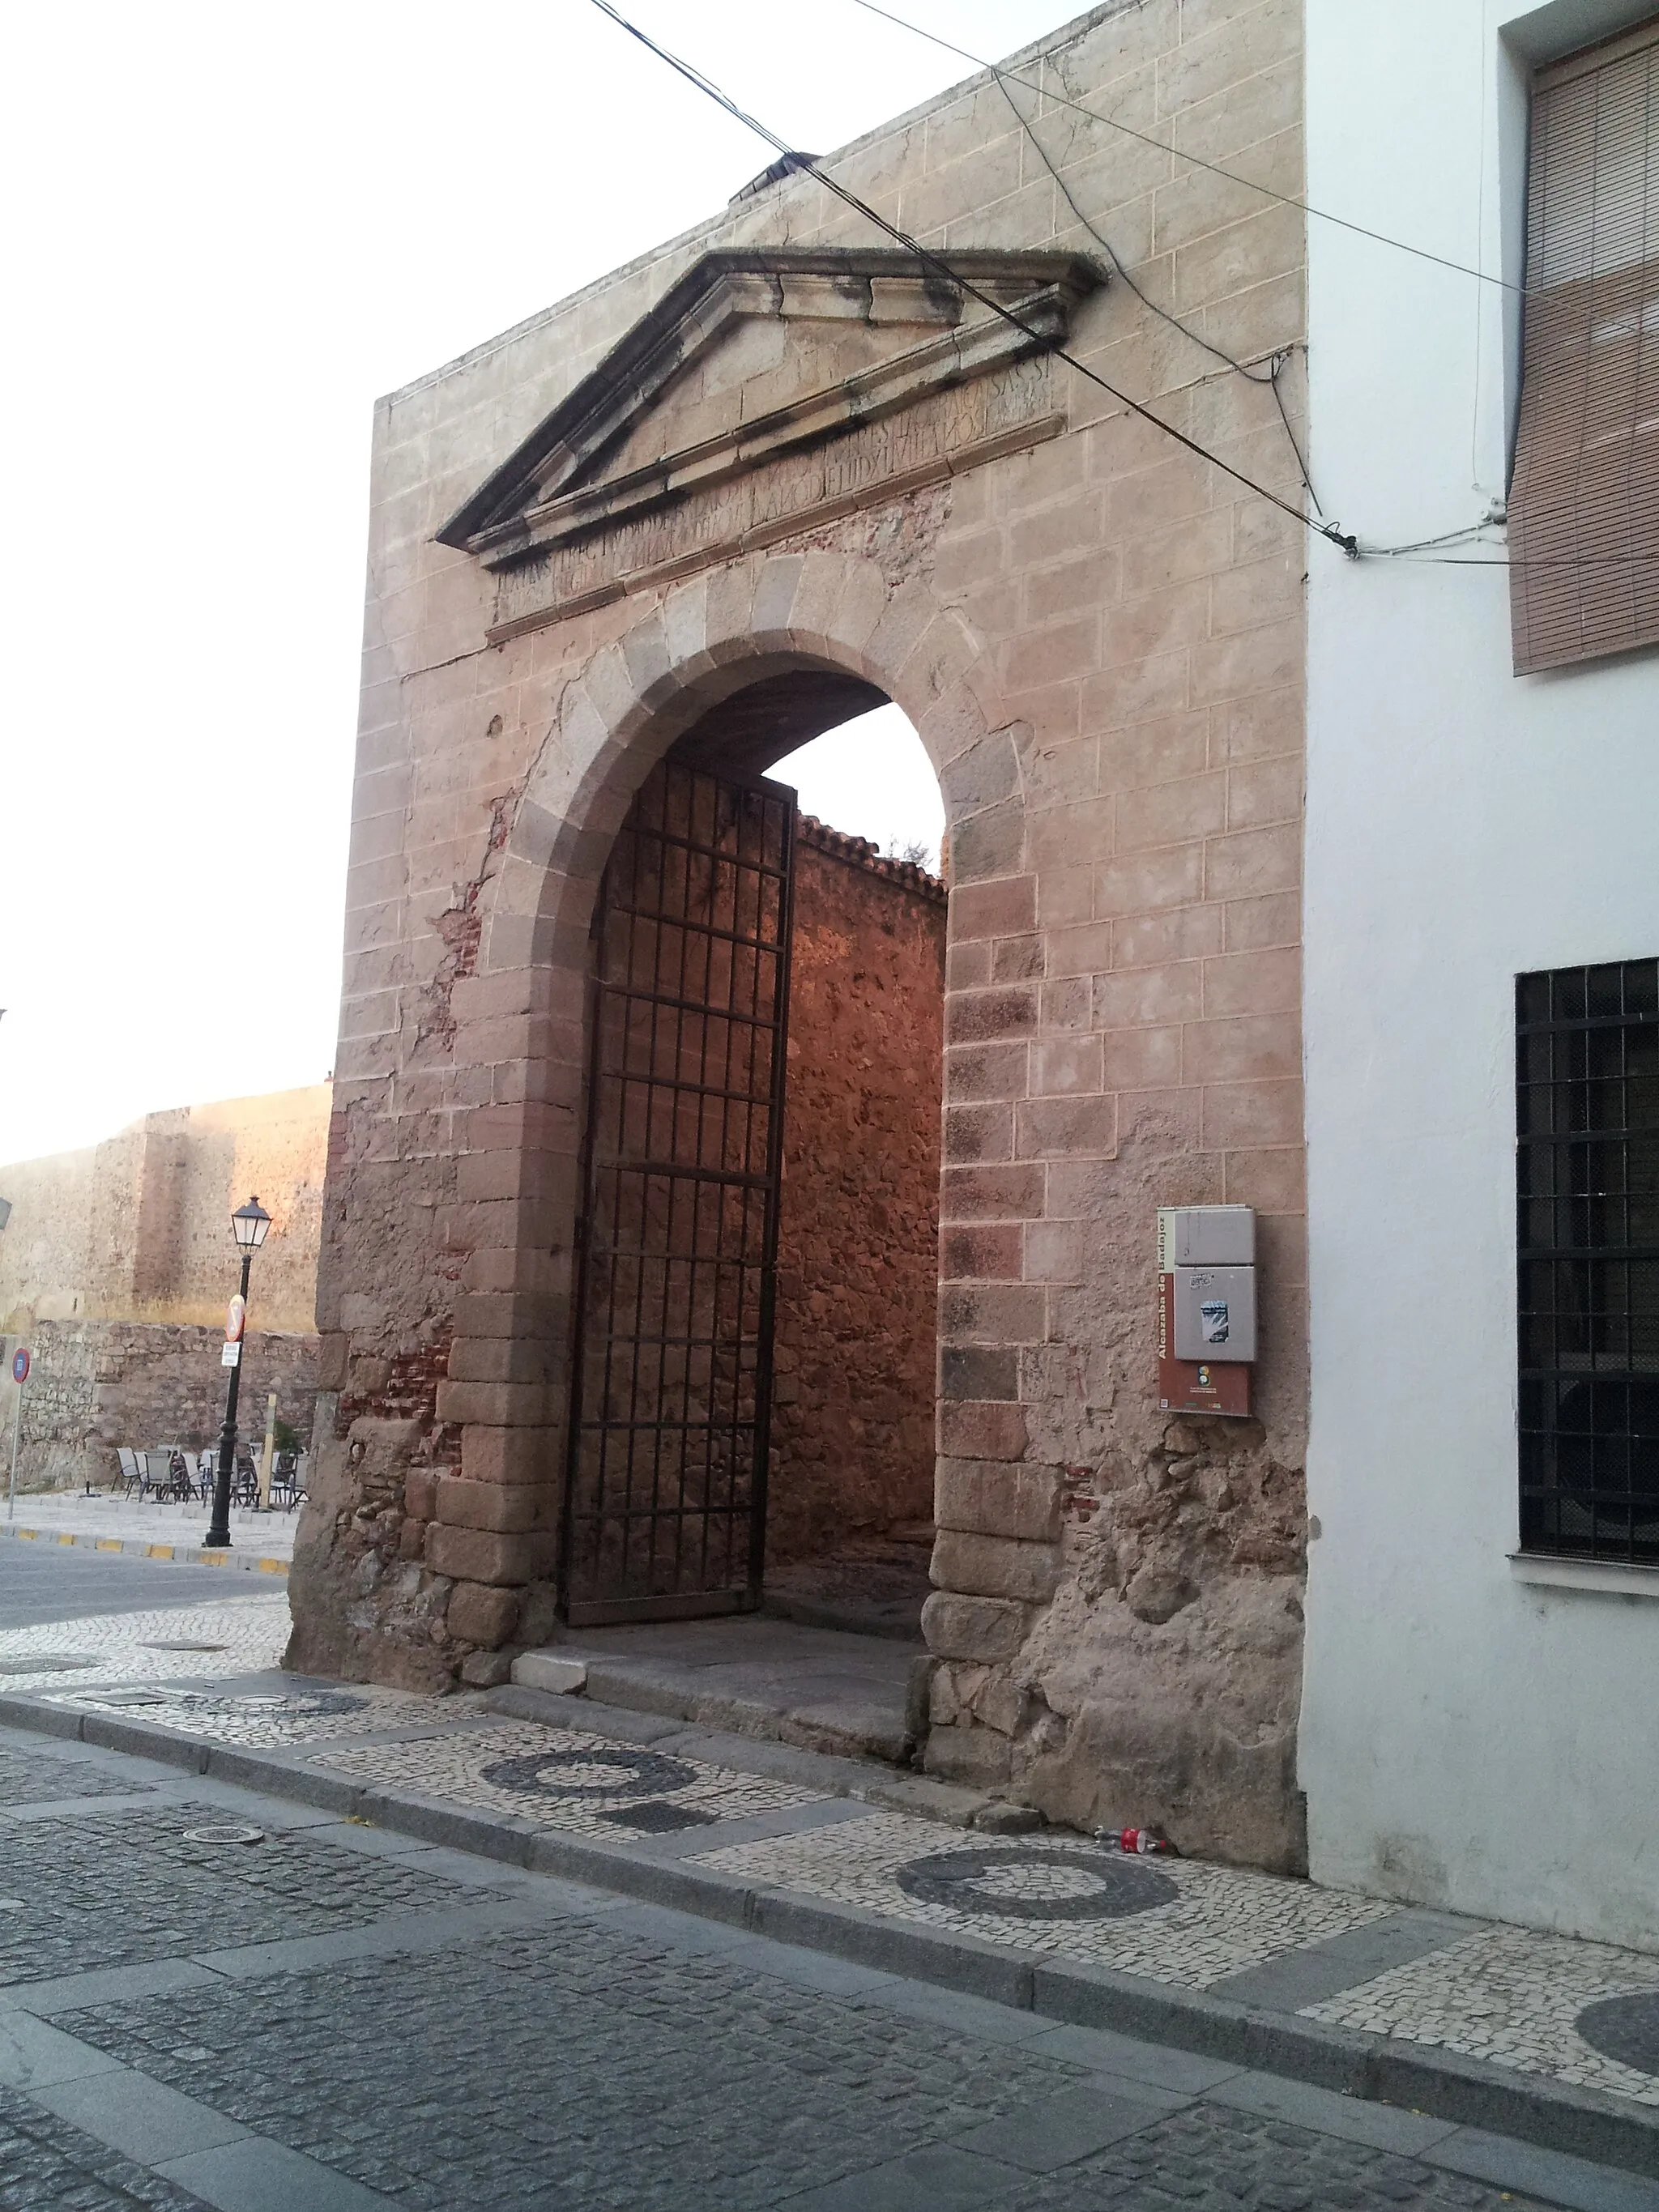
(229, 229)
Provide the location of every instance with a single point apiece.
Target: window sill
(1608, 1575)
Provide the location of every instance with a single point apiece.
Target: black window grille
(1588, 1175)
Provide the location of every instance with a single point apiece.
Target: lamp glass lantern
(248, 1225)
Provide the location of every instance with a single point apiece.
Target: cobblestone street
(210, 1995)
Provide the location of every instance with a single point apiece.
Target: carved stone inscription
(941, 430)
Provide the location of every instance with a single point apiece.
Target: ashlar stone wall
(1098, 636)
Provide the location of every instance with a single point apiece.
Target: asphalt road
(40, 1582)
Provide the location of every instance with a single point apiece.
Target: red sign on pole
(20, 1365)
(236, 1321)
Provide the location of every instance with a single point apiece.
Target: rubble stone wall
(1098, 635)
(858, 1242)
(95, 1384)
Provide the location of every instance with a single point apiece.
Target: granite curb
(135, 1547)
(1442, 2084)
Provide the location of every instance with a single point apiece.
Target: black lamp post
(248, 1223)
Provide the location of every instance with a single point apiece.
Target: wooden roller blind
(1584, 497)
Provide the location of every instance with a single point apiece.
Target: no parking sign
(20, 1365)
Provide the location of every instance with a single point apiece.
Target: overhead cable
(926, 254)
(1275, 367)
(1197, 161)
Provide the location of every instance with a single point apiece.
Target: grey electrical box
(1205, 1237)
(1215, 1312)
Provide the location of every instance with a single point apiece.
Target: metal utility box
(1206, 1308)
(1215, 1313)
(1205, 1237)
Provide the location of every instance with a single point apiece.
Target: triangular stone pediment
(752, 356)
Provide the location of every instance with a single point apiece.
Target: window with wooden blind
(1584, 496)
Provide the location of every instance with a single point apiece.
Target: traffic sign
(20, 1363)
(235, 1321)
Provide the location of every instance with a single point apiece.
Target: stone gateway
(721, 500)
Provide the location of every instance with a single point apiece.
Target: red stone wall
(858, 1251)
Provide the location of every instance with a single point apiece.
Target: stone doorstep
(1441, 2084)
(836, 1777)
(872, 1720)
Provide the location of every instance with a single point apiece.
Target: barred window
(1585, 493)
(1588, 1085)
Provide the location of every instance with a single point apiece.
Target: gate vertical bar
(665, 1495)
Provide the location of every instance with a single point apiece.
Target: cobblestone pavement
(330, 2018)
(236, 1636)
(1584, 2014)
(45, 2162)
(127, 1888)
(271, 1714)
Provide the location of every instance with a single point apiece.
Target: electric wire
(1197, 161)
(1412, 553)
(1216, 353)
(926, 254)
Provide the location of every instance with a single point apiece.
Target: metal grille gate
(671, 1378)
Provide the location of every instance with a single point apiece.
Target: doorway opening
(753, 1368)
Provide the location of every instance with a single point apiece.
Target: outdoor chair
(132, 1473)
(287, 1478)
(159, 1481)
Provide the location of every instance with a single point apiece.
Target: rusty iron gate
(671, 1372)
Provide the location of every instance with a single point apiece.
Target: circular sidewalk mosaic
(1030, 1883)
(1624, 2028)
(594, 1772)
(304, 1702)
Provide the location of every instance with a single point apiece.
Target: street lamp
(248, 1225)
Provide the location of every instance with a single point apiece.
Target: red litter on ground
(1139, 1840)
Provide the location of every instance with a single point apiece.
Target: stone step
(782, 1681)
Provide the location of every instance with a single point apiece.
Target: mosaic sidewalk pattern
(1171, 1920)
(271, 1719)
(564, 1778)
(1584, 2012)
(234, 1636)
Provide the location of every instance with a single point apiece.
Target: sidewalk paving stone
(1173, 1920)
(566, 1779)
(1410, 1985)
(1518, 1998)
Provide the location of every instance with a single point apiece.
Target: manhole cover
(47, 1662)
(177, 1644)
(225, 1834)
(1033, 1884)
